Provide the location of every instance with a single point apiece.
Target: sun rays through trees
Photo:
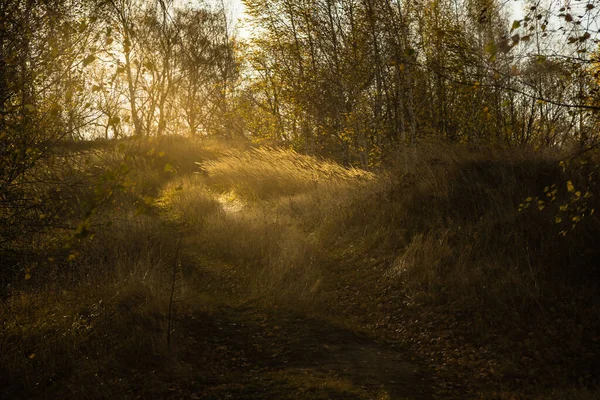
(316, 199)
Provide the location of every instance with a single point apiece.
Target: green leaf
(515, 25)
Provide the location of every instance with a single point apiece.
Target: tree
(208, 70)
(121, 17)
(45, 48)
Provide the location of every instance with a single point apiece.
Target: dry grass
(446, 216)
(442, 220)
(278, 259)
(91, 319)
(95, 338)
(188, 200)
(265, 173)
(255, 229)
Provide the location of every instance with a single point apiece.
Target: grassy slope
(298, 278)
(434, 250)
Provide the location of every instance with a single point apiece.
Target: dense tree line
(350, 78)
(358, 77)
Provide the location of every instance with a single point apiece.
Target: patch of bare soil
(251, 353)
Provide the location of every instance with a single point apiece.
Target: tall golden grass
(447, 216)
(443, 221)
(267, 173)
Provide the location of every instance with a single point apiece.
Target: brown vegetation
(422, 222)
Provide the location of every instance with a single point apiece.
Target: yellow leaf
(42, 216)
(570, 186)
(32, 356)
(169, 168)
(27, 277)
(71, 257)
(529, 199)
(51, 259)
(558, 219)
(88, 60)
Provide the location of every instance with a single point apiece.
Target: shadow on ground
(248, 353)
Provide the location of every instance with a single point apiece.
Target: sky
(237, 11)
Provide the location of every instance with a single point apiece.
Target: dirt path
(233, 349)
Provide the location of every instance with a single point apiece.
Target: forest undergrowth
(482, 263)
